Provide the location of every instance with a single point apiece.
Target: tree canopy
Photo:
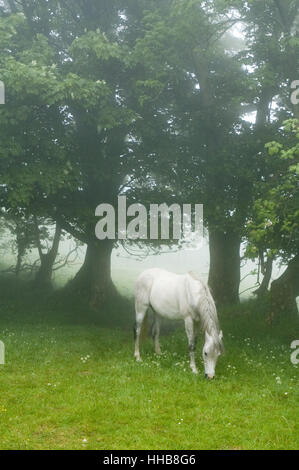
(154, 98)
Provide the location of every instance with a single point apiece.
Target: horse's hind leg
(141, 311)
(192, 337)
(156, 333)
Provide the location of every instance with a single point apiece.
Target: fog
(128, 263)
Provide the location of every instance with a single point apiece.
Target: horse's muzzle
(210, 377)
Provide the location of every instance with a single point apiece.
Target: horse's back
(145, 280)
(163, 290)
(156, 275)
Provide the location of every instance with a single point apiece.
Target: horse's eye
(206, 353)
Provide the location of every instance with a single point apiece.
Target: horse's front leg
(192, 337)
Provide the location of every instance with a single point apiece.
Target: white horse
(179, 297)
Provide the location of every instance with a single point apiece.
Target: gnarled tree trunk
(224, 274)
(267, 273)
(43, 277)
(285, 289)
(93, 281)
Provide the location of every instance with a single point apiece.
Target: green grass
(53, 398)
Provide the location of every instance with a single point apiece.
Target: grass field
(70, 382)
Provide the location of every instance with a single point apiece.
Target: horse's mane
(208, 313)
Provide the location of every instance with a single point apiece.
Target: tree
(273, 47)
(275, 223)
(22, 237)
(28, 233)
(203, 91)
(116, 92)
(75, 77)
(43, 277)
(32, 160)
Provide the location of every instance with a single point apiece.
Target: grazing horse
(179, 297)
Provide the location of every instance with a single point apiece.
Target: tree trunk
(43, 276)
(285, 289)
(19, 263)
(224, 274)
(263, 288)
(21, 248)
(93, 281)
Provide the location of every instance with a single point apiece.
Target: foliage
(275, 221)
(150, 97)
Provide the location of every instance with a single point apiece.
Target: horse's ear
(208, 336)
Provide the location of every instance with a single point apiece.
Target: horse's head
(211, 351)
